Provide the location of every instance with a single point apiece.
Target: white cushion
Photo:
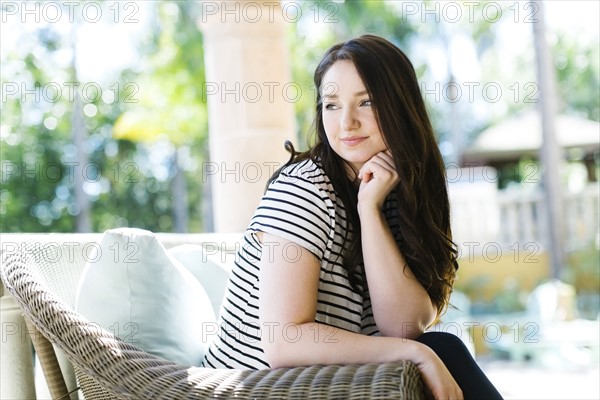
(209, 270)
(133, 288)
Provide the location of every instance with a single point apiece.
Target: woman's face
(348, 116)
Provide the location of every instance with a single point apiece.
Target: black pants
(465, 371)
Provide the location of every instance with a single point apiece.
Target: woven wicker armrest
(126, 371)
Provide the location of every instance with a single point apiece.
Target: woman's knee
(442, 340)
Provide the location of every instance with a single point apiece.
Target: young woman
(349, 256)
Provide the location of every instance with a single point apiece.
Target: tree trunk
(550, 156)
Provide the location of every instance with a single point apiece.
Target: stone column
(250, 98)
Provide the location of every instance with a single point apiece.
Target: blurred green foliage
(128, 181)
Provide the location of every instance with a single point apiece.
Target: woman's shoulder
(306, 176)
(307, 170)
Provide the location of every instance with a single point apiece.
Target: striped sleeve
(297, 207)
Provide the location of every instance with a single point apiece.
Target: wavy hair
(421, 194)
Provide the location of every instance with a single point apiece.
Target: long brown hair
(421, 194)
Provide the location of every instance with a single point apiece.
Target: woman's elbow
(404, 330)
(406, 326)
(276, 354)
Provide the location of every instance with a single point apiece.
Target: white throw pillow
(131, 287)
(209, 270)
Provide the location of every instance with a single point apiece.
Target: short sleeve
(298, 207)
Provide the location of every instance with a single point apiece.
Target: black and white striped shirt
(300, 205)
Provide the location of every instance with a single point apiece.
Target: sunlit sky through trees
(105, 48)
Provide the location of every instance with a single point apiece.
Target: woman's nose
(349, 120)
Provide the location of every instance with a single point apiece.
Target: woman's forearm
(316, 343)
(401, 305)
(290, 337)
(312, 343)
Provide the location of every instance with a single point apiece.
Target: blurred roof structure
(522, 136)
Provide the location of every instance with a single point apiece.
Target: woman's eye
(366, 103)
(331, 106)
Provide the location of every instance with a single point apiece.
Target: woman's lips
(353, 141)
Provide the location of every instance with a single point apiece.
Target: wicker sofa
(106, 367)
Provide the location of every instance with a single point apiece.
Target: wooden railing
(480, 213)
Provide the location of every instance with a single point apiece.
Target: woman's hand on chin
(378, 177)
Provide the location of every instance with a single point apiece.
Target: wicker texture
(49, 362)
(128, 372)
